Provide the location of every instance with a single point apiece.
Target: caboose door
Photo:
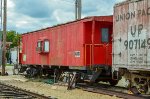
(102, 51)
(99, 54)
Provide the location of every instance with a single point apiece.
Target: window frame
(39, 48)
(103, 34)
(46, 51)
(40, 44)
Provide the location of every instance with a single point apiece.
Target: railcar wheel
(135, 90)
(139, 90)
(32, 72)
(22, 69)
(113, 82)
(97, 80)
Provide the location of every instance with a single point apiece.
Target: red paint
(67, 38)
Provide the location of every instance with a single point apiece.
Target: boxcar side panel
(131, 35)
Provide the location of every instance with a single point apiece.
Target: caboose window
(46, 46)
(39, 44)
(105, 35)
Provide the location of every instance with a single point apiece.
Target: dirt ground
(56, 91)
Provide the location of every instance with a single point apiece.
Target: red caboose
(85, 44)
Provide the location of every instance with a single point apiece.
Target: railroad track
(12, 92)
(108, 90)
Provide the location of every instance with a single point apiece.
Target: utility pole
(76, 3)
(4, 37)
(78, 9)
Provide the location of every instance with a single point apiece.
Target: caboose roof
(86, 19)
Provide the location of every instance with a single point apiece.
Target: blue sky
(29, 15)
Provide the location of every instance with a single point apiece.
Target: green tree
(13, 36)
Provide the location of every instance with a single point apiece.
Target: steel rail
(19, 92)
(106, 91)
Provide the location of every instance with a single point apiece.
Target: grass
(9, 64)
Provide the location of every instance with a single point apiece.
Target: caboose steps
(95, 76)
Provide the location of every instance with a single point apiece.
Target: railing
(92, 53)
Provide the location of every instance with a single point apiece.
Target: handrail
(103, 45)
(95, 44)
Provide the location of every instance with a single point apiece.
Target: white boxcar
(131, 44)
(131, 41)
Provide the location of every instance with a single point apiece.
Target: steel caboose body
(80, 45)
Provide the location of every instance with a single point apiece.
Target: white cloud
(62, 16)
(29, 15)
(117, 1)
(10, 4)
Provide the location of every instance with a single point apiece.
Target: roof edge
(126, 2)
(83, 19)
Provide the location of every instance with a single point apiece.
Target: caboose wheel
(97, 80)
(113, 82)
